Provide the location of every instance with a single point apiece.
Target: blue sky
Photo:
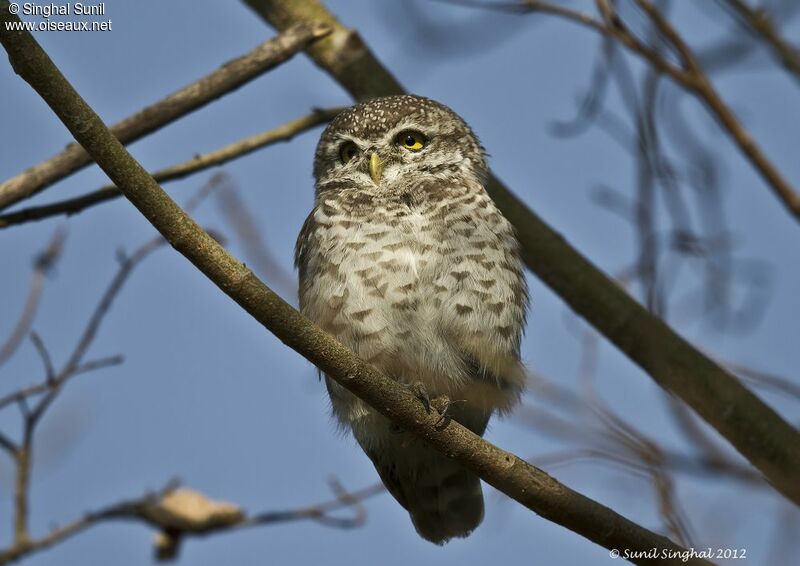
(205, 394)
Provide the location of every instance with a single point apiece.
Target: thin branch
(195, 165)
(44, 354)
(508, 473)
(257, 253)
(8, 445)
(227, 78)
(752, 427)
(321, 512)
(630, 441)
(42, 266)
(95, 365)
(760, 21)
(53, 386)
(591, 103)
(690, 75)
(158, 511)
(24, 393)
(74, 363)
(767, 380)
(38, 388)
(54, 382)
(598, 443)
(702, 87)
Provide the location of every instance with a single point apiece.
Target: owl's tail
(443, 499)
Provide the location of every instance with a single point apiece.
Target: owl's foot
(442, 405)
(419, 391)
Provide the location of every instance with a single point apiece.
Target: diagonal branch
(508, 473)
(227, 78)
(752, 427)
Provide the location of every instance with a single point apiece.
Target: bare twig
(256, 251)
(767, 380)
(709, 244)
(8, 445)
(596, 442)
(630, 441)
(90, 332)
(227, 78)
(44, 354)
(53, 385)
(24, 393)
(591, 102)
(699, 83)
(699, 466)
(321, 512)
(174, 513)
(760, 21)
(45, 386)
(179, 171)
(690, 75)
(510, 474)
(42, 266)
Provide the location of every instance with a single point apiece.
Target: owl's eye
(348, 151)
(411, 140)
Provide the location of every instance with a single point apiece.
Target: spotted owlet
(406, 260)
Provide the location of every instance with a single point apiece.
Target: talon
(443, 404)
(418, 390)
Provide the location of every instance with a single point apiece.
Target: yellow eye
(411, 140)
(348, 151)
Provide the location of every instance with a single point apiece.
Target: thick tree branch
(178, 171)
(508, 473)
(227, 78)
(752, 427)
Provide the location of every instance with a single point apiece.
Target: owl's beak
(375, 168)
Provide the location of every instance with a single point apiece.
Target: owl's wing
(498, 386)
(301, 254)
(303, 240)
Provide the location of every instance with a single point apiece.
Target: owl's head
(387, 143)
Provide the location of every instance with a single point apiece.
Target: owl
(406, 260)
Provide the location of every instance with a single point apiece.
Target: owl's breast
(368, 279)
(414, 290)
